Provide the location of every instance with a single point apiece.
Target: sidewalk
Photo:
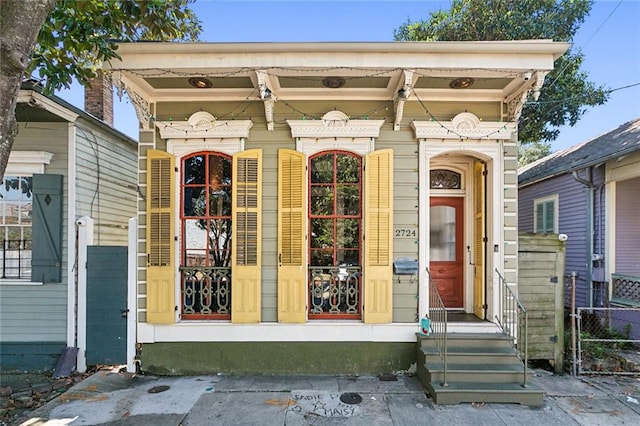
(114, 398)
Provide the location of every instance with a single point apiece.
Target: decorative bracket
(401, 96)
(266, 94)
(141, 106)
(515, 103)
(540, 76)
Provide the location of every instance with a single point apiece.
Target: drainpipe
(589, 229)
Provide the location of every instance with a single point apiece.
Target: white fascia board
(144, 61)
(38, 100)
(543, 46)
(516, 55)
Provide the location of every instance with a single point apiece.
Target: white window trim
(201, 132)
(183, 147)
(362, 146)
(335, 131)
(543, 200)
(26, 163)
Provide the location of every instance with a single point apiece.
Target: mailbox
(405, 266)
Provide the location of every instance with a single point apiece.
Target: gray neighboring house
(65, 164)
(590, 192)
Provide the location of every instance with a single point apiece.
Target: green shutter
(550, 216)
(46, 257)
(539, 218)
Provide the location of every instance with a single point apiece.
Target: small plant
(593, 349)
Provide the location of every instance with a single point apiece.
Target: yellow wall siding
(511, 178)
(510, 210)
(406, 193)
(269, 142)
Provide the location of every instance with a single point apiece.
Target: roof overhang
(504, 71)
(40, 102)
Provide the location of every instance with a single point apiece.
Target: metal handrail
(513, 319)
(438, 317)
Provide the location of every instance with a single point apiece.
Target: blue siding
(572, 220)
(30, 356)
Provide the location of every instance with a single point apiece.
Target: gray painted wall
(38, 313)
(105, 190)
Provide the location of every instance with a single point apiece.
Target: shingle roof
(620, 141)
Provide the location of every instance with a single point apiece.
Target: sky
(609, 39)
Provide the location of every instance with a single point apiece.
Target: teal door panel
(106, 305)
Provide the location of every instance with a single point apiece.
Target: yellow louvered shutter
(160, 237)
(292, 293)
(478, 239)
(246, 240)
(378, 211)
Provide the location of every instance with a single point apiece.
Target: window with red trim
(205, 216)
(335, 228)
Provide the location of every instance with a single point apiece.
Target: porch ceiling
(399, 72)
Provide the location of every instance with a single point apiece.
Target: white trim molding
(204, 125)
(436, 139)
(182, 147)
(544, 200)
(335, 124)
(464, 126)
(320, 331)
(22, 163)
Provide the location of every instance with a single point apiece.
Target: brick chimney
(98, 98)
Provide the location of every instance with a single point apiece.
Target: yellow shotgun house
(297, 201)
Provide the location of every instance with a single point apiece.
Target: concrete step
(477, 355)
(481, 367)
(475, 373)
(469, 340)
(469, 392)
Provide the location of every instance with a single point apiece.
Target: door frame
(432, 146)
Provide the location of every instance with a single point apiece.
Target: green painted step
(469, 392)
(481, 367)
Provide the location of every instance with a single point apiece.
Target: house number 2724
(405, 232)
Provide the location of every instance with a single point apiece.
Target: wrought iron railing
(206, 292)
(334, 290)
(513, 319)
(438, 318)
(16, 259)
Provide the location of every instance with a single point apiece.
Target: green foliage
(79, 35)
(567, 91)
(531, 152)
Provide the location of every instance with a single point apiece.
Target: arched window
(335, 235)
(205, 217)
(444, 179)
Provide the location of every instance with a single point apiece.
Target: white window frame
(26, 163)
(544, 200)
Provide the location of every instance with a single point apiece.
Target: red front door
(446, 252)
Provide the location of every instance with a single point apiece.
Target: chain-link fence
(608, 340)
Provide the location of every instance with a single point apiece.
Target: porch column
(85, 239)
